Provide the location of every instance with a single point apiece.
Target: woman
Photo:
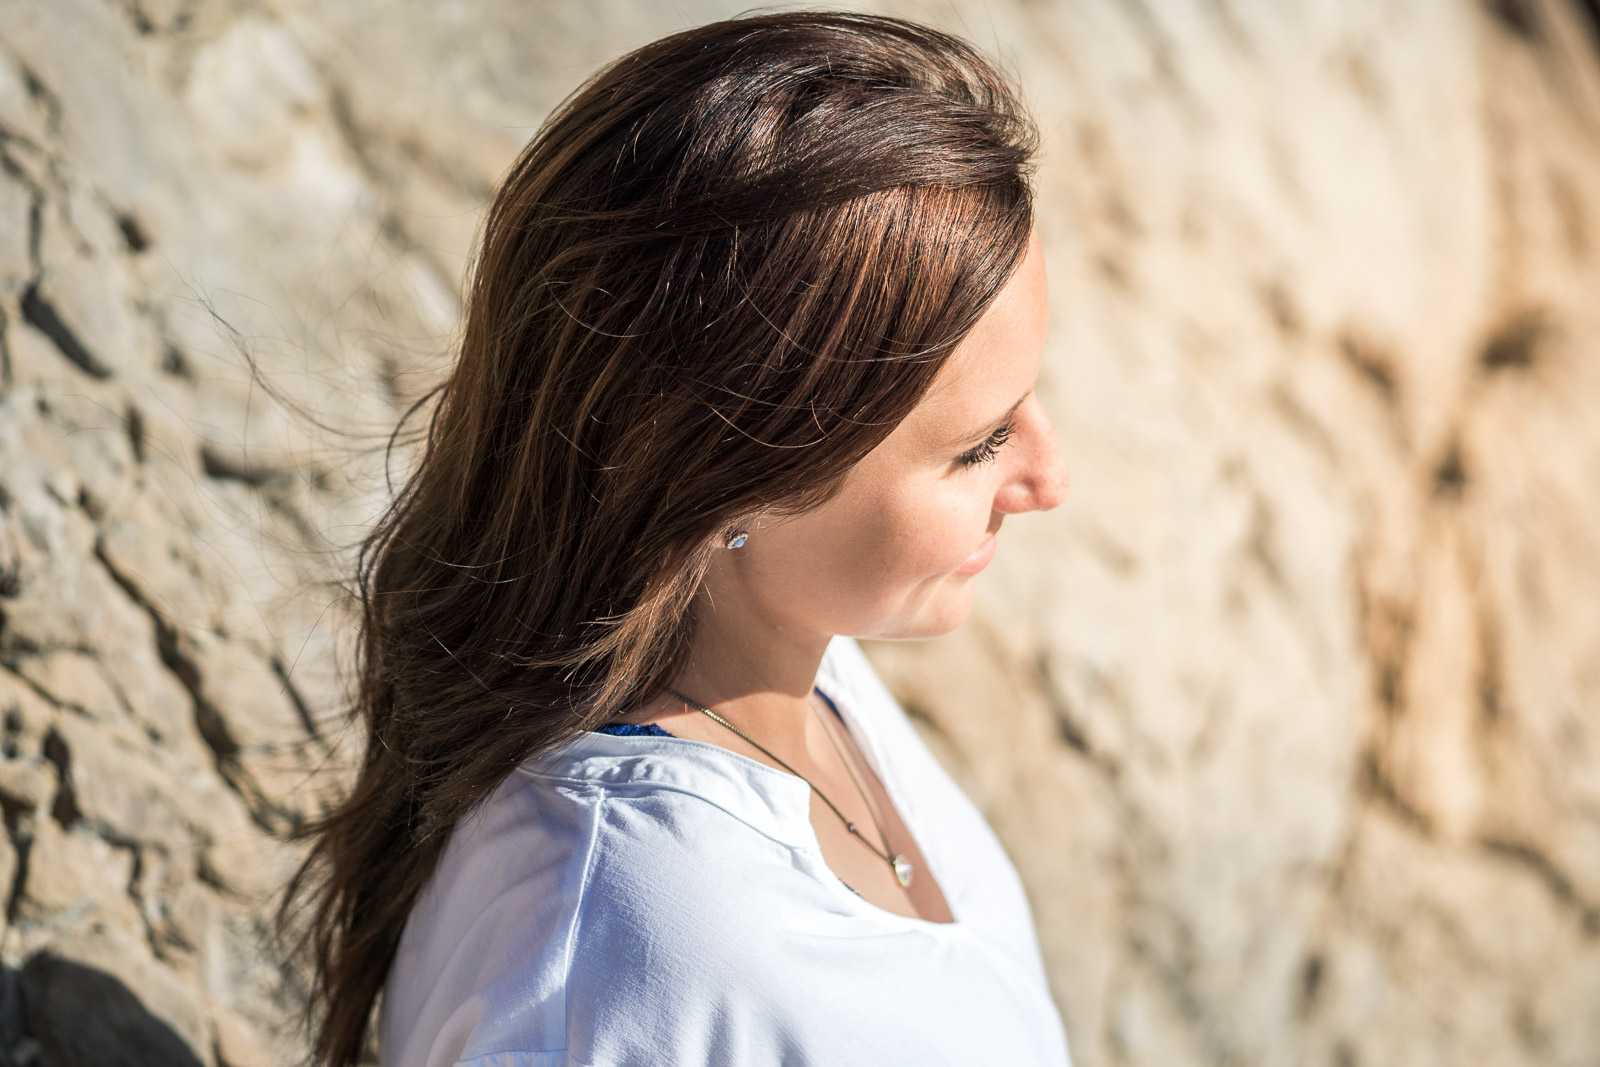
(747, 371)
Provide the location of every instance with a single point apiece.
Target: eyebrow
(978, 435)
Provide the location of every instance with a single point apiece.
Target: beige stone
(27, 783)
(191, 918)
(16, 205)
(72, 679)
(19, 109)
(1285, 715)
(121, 791)
(238, 1043)
(25, 716)
(77, 881)
(249, 866)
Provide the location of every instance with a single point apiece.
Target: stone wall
(1290, 716)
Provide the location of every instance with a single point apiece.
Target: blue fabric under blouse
(632, 729)
(650, 729)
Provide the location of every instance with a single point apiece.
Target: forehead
(995, 364)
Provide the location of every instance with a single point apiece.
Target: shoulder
(491, 924)
(574, 910)
(676, 881)
(690, 941)
(648, 849)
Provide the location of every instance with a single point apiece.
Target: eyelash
(990, 447)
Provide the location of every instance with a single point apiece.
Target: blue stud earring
(737, 538)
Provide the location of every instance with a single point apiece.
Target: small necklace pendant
(902, 870)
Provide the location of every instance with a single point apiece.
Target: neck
(753, 671)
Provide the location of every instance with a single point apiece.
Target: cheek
(876, 556)
(927, 533)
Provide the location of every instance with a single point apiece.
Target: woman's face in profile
(895, 552)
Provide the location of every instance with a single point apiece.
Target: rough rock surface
(1290, 716)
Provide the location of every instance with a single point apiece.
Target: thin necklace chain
(897, 862)
(872, 808)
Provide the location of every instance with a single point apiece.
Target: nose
(1041, 480)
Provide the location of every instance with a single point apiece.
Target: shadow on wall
(57, 1013)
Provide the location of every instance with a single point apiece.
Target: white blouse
(651, 901)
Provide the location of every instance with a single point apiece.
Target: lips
(980, 556)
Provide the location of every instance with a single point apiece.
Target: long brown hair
(719, 275)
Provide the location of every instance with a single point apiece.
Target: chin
(936, 616)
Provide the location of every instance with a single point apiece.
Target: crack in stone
(42, 316)
(36, 232)
(1550, 875)
(1377, 788)
(1068, 728)
(22, 844)
(5, 352)
(1516, 345)
(1589, 10)
(9, 665)
(208, 719)
(64, 808)
(307, 718)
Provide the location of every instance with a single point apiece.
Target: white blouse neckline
(766, 798)
(632, 896)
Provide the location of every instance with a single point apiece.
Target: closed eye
(989, 447)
